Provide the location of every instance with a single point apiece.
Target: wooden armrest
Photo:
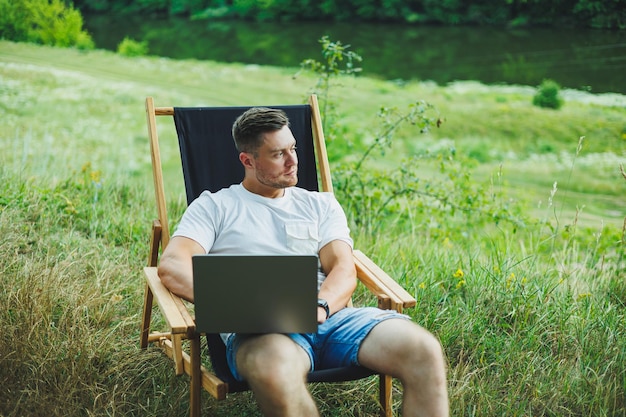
(381, 284)
(172, 307)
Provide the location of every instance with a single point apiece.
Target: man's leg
(276, 368)
(406, 351)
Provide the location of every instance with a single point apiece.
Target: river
(588, 60)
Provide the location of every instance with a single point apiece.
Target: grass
(531, 312)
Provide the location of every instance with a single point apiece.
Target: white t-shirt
(234, 220)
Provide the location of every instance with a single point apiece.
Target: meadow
(507, 223)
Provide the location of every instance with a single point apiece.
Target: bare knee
(276, 368)
(413, 355)
(430, 346)
(403, 349)
(272, 361)
(424, 355)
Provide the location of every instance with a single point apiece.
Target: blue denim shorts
(336, 342)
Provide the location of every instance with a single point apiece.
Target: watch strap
(324, 304)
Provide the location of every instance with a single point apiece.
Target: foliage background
(585, 13)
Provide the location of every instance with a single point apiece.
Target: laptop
(255, 293)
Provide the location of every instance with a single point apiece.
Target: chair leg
(195, 389)
(146, 317)
(385, 396)
(177, 354)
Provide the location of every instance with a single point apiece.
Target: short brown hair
(249, 128)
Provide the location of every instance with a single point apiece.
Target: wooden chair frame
(180, 322)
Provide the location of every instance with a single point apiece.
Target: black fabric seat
(210, 159)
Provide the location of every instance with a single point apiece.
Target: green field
(510, 233)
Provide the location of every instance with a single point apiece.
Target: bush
(13, 21)
(84, 41)
(130, 47)
(547, 95)
(48, 22)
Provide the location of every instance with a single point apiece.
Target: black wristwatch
(324, 304)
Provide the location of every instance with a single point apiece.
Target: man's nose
(292, 159)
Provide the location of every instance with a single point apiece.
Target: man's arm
(175, 268)
(338, 265)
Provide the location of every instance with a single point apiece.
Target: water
(590, 60)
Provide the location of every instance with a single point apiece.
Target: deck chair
(210, 162)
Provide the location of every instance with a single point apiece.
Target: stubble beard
(277, 182)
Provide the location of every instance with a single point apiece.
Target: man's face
(276, 162)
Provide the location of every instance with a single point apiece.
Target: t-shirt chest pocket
(302, 238)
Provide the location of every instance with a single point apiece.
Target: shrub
(547, 95)
(48, 22)
(13, 21)
(338, 61)
(84, 41)
(130, 47)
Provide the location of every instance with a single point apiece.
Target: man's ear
(246, 159)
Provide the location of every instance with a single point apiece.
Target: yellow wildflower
(509, 280)
(459, 273)
(95, 176)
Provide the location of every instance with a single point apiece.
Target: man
(266, 213)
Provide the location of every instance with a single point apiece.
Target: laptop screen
(255, 293)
